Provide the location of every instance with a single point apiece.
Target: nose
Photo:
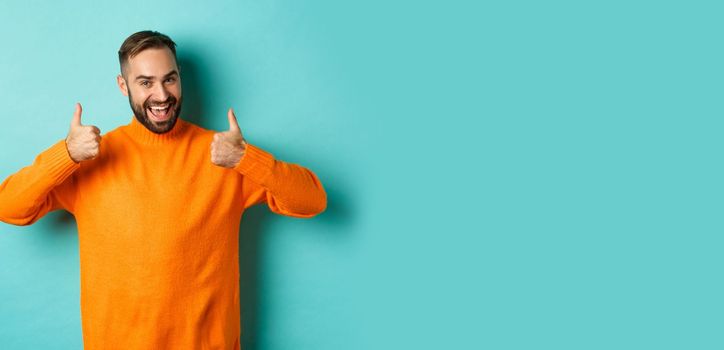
(160, 94)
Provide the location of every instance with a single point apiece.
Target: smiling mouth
(160, 113)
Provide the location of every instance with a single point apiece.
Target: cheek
(176, 92)
(139, 98)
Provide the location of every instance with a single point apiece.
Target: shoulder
(195, 129)
(114, 133)
(197, 134)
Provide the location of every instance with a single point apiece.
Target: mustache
(168, 101)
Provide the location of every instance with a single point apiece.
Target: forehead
(152, 62)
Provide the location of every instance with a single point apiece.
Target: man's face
(153, 85)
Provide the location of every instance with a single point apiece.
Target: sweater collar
(139, 132)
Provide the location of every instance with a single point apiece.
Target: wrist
(67, 149)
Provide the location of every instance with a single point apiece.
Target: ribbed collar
(138, 132)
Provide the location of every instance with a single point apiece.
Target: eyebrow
(173, 72)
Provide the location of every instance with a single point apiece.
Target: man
(158, 204)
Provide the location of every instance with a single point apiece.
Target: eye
(172, 79)
(146, 83)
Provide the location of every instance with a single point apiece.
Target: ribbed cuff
(256, 163)
(58, 161)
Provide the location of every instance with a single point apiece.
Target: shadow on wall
(250, 269)
(192, 108)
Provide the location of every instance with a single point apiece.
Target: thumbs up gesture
(83, 141)
(228, 147)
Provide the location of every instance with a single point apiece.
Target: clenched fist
(228, 147)
(83, 141)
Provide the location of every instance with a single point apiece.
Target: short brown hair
(140, 41)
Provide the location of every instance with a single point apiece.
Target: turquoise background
(517, 175)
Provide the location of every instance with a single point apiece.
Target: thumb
(233, 125)
(76, 115)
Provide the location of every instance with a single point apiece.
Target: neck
(140, 133)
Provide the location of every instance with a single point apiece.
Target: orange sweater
(158, 231)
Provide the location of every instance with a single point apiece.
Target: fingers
(83, 141)
(233, 125)
(76, 121)
(76, 115)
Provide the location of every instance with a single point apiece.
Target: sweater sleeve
(288, 189)
(44, 186)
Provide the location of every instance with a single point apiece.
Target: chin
(165, 126)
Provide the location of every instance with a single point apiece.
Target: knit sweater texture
(158, 228)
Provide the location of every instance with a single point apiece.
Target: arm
(48, 184)
(37, 189)
(288, 189)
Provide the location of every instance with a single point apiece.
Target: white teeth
(157, 111)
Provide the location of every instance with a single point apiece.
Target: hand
(228, 147)
(83, 141)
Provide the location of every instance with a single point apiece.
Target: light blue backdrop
(534, 175)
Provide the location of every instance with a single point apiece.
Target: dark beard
(141, 114)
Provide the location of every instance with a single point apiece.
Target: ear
(122, 85)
